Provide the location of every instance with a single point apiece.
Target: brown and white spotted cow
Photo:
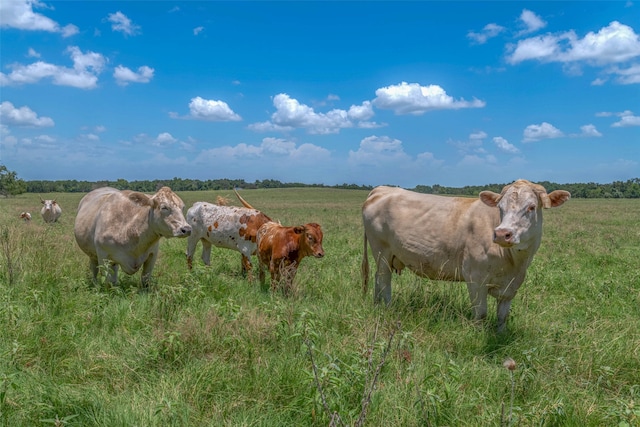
(229, 227)
(25, 216)
(487, 242)
(281, 249)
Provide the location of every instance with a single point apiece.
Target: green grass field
(207, 348)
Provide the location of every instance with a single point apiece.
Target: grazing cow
(123, 228)
(26, 216)
(281, 249)
(457, 239)
(50, 211)
(229, 227)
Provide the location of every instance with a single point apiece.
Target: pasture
(207, 348)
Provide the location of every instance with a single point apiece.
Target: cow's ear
(140, 199)
(298, 229)
(558, 197)
(490, 198)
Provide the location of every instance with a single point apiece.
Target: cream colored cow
(123, 228)
(50, 211)
(487, 242)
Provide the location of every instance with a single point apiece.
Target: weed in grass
(10, 250)
(59, 422)
(510, 365)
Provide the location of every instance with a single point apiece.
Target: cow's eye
(531, 208)
(165, 208)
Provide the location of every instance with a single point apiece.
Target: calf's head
(312, 239)
(521, 205)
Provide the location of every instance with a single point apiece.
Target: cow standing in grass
(123, 228)
(281, 249)
(487, 242)
(223, 226)
(50, 211)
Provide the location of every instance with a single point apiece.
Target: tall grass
(207, 348)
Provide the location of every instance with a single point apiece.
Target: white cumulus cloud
(124, 75)
(120, 22)
(210, 110)
(489, 31)
(84, 74)
(23, 116)
(164, 139)
(270, 148)
(412, 98)
(531, 21)
(504, 145)
(589, 131)
(614, 43)
(627, 119)
(542, 131)
(626, 76)
(291, 114)
(19, 14)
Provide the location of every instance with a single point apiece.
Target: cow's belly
(434, 263)
(231, 240)
(130, 264)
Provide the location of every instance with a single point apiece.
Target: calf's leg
(206, 252)
(192, 241)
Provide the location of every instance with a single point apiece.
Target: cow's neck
(522, 255)
(143, 232)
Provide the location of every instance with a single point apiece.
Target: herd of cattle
(487, 242)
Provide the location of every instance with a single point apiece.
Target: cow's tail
(364, 267)
(243, 201)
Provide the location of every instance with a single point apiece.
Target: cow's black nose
(186, 230)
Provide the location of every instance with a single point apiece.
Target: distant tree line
(176, 184)
(10, 185)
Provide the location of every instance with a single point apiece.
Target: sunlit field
(207, 348)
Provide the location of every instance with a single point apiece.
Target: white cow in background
(50, 211)
(487, 242)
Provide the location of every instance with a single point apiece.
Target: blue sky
(401, 93)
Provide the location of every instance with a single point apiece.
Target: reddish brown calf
(281, 249)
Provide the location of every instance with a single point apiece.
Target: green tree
(10, 185)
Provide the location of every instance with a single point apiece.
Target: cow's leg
(504, 305)
(478, 295)
(192, 242)
(110, 266)
(274, 269)
(382, 291)
(147, 268)
(261, 274)
(112, 273)
(206, 252)
(93, 265)
(246, 267)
